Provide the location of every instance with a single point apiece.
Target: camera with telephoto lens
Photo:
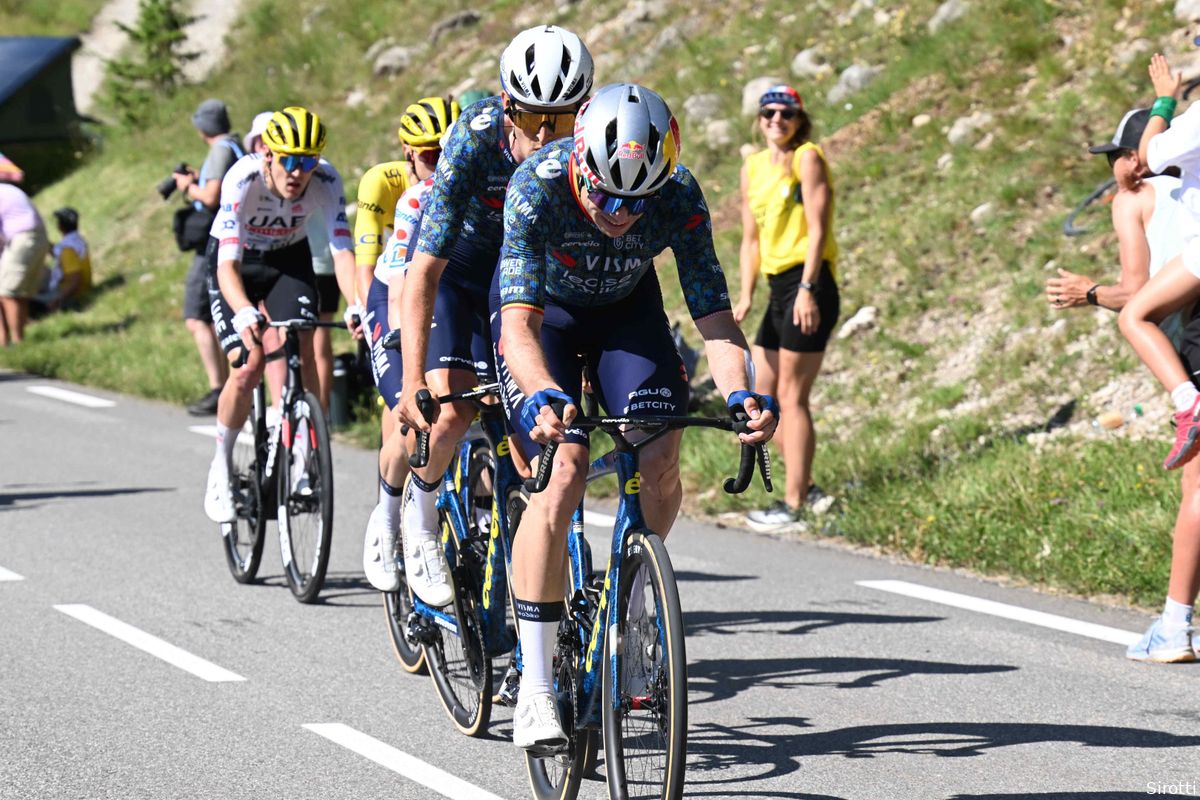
(166, 186)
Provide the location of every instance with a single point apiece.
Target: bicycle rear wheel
(305, 498)
(243, 538)
(557, 777)
(458, 662)
(399, 608)
(645, 723)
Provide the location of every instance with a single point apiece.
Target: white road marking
(966, 601)
(67, 396)
(148, 643)
(598, 520)
(244, 436)
(6, 575)
(400, 762)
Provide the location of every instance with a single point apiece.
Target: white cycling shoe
(379, 553)
(536, 728)
(218, 495)
(426, 569)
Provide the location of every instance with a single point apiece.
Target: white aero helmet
(546, 67)
(626, 141)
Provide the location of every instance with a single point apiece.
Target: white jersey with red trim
(409, 209)
(252, 217)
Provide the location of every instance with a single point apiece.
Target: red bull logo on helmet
(631, 149)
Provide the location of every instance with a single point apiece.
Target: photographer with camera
(192, 223)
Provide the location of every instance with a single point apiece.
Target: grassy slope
(917, 418)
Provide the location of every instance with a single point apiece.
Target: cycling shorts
(627, 348)
(386, 365)
(281, 280)
(778, 332)
(329, 296)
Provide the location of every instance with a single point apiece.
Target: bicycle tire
(645, 726)
(306, 520)
(244, 537)
(398, 606)
(557, 777)
(458, 664)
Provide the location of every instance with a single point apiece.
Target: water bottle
(1113, 419)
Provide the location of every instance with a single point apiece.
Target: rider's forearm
(420, 291)
(344, 269)
(521, 336)
(229, 280)
(726, 350)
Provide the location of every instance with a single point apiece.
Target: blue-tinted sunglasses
(302, 163)
(610, 203)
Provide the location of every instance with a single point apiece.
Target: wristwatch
(812, 287)
(1091, 295)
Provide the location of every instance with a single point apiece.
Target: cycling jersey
(409, 209)
(252, 217)
(378, 192)
(553, 250)
(464, 220)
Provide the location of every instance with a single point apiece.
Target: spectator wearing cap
(22, 260)
(203, 190)
(787, 235)
(71, 275)
(1176, 287)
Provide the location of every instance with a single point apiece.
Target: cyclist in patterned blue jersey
(545, 73)
(576, 287)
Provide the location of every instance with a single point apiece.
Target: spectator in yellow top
(72, 261)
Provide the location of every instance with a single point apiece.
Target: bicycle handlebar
(751, 454)
(426, 403)
(291, 325)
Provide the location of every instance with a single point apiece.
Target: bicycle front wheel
(305, 498)
(645, 678)
(243, 538)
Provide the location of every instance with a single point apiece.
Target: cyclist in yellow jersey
(787, 215)
(422, 127)
(378, 191)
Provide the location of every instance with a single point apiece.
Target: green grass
(911, 469)
(44, 18)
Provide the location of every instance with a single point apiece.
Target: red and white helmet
(546, 67)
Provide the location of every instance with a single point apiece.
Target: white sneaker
(218, 495)
(379, 553)
(536, 728)
(425, 565)
(301, 487)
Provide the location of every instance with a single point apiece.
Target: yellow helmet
(295, 131)
(427, 120)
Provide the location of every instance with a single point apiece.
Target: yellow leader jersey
(378, 192)
(777, 202)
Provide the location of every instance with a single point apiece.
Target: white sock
(1176, 615)
(1184, 396)
(537, 654)
(226, 441)
(420, 512)
(389, 501)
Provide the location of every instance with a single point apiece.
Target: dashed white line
(67, 396)
(149, 644)
(978, 604)
(598, 520)
(244, 436)
(7, 575)
(398, 761)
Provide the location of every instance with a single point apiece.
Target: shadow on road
(777, 746)
(791, 623)
(723, 679)
(710, 577)
(10, 499)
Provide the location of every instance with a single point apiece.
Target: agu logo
(631, 149)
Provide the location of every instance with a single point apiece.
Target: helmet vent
(652, 144)
(610, 139)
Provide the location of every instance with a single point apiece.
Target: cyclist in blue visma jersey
(576, 286)
(545, 72)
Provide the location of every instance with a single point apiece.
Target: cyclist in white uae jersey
(260, 263)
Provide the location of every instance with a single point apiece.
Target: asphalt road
(804, 683)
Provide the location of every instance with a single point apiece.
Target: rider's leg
(453, 420)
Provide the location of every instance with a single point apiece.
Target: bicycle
(620, 664)
(480, 493)
(285, 473)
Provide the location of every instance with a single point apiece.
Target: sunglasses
(558, 123)
(786, 113)
(609, 203)
(302, 163)
(429, 155)
(1114, 156)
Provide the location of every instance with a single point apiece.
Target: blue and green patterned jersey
(553, 250)
(464, 217)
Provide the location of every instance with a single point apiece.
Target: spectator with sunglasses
(545, 74)
(787, 235)
(260, 266)
(422, 129)
(583, 221)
